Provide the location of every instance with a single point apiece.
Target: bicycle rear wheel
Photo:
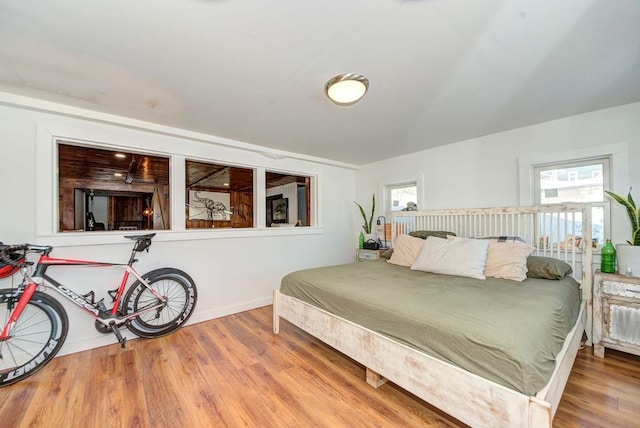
(180, 293)
(36, 338)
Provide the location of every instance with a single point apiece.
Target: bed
(442, 377)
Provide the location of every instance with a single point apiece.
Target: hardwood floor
(233, 371)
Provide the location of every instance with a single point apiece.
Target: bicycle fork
(24, 299)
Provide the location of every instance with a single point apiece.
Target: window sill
(69, 239)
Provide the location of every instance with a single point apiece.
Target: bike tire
(36, 338)
(181, 294)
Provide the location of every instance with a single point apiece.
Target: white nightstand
(364, 255)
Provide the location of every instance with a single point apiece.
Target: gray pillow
(424, 234)
(547, 268)
(505, 238)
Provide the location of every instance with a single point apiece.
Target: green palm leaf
(632, 211)
(364, 217)
(373, 209)
(367, 222)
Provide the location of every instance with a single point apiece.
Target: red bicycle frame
(106, 317)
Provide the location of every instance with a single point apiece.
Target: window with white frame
(289, 200)
(101, 189)
(401, 197)
(578, 181)
(218, 195)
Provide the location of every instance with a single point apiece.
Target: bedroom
(31, 115)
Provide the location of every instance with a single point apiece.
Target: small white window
(579, 181)
(402, 197)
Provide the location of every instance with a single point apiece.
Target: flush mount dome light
(346, 89)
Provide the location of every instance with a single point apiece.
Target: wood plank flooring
(233, 371)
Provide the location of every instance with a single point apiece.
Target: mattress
(505, 331)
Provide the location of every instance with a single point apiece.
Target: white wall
(234, 271)
(484, 172)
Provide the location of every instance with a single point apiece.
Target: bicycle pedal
(116, 331)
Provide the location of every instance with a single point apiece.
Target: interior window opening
(218, 196)
(288, 200)
(103, 189)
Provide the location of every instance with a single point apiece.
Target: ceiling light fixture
(346, 89)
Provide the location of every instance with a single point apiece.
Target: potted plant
(629, 253)
(367, 221)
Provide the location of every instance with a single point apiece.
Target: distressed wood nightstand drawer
(624, 289)
(364, 255)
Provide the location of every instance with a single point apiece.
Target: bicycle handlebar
(6, 252)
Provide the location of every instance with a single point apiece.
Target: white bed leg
(276, 317)
(374, 379)
(540, 414)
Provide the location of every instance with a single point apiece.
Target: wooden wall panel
(242, 203)
(66, 207)
(208, 224)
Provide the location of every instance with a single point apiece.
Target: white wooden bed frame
(467, 397)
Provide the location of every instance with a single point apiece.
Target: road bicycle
(34, 324)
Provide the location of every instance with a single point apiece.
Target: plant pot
(628, 257)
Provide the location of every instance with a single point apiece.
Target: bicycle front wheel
(180, 293)
(36, 338)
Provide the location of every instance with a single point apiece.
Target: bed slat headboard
(558, 231)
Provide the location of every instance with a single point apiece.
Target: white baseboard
(229, 310)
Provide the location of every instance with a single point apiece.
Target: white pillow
(457, 256)
(405, 250)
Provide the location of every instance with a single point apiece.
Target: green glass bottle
(361, 240)
(608, 258)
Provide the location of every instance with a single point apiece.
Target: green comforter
(504, 331)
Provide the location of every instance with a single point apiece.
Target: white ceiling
(441, 71)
